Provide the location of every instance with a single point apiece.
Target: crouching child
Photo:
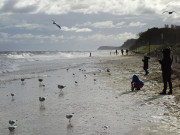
(136, 83)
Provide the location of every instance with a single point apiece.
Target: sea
(32, 62)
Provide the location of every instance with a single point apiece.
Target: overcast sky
(85, 24)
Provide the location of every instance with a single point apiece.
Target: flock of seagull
(13, 124)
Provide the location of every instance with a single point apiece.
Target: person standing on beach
(127, 51)
(146, 65)
(116, 52)
(122, 51)
(166, 63)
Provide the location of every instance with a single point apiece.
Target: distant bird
(69, 116)
(22, 79)
(76, 82)
(42, 99)
(40, 80)
(56, 24)
(12, 94)
(61, 87)
(11, 128)
(169, 12)
(85, 76)
(108, 70)
(12, 122)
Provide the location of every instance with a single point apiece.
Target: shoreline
(101, 102)
(153, 86)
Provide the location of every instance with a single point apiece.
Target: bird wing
(174, 12)
(58, 26)
(165, 12)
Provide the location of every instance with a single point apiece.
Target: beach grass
(144, 49)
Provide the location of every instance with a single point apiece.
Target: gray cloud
(87, 23)
(9, 7)
(86, 7)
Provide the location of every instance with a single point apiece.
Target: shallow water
(97, 108)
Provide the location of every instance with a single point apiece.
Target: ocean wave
(45, 55)
(12, 61)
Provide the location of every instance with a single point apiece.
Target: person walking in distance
(146, 65)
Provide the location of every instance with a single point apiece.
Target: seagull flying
(169, 12)
(56, 24)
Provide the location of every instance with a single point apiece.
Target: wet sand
(104, 106)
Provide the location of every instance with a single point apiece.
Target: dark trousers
(167, 79)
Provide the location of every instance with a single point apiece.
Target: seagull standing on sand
(22, 80)
(61, 87)
(42, 99)
(108, 70)
(76, 83)
(169, 12)
(40, 82)
(11, 128)
(69, 116)
(12, 122)
(56, 24)
(12, 95)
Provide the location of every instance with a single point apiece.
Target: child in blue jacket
(136, 83)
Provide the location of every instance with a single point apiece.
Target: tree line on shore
(168, 36)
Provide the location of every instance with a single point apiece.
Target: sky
(26, 25)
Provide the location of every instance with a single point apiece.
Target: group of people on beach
(122, 52)
(166, 63)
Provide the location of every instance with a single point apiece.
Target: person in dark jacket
(166, 63)
(136, 83)
(122, 51)
(146, 65)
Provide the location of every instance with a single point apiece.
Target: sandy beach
(101, 102)
(167, 122)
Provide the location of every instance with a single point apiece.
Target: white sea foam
(11, 61)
